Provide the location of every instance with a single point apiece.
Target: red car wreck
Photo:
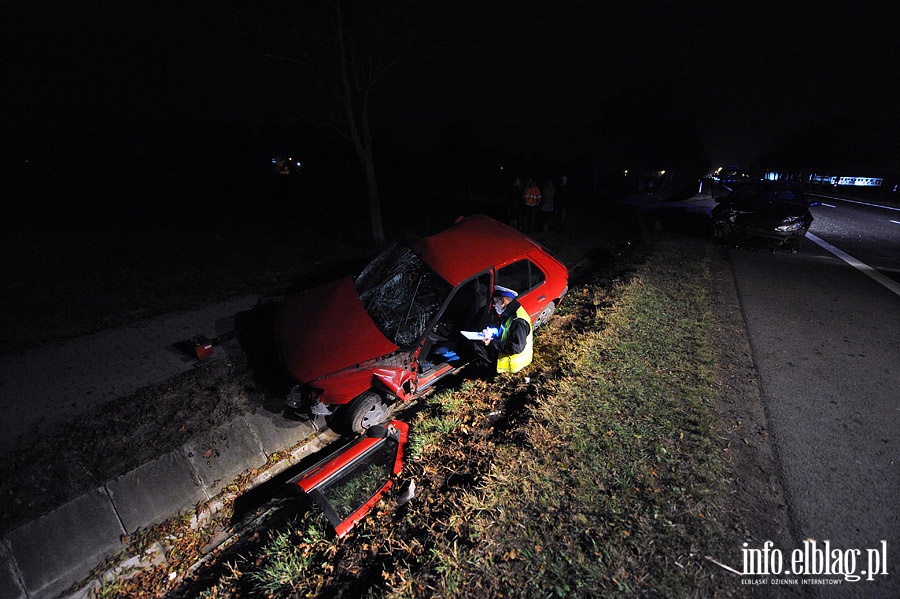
(355, 347)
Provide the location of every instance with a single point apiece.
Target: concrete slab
(155, 491)
(276, 433)
(89, 591)
(59, 548)
(10, 584)
(44, 387)
(220, 456)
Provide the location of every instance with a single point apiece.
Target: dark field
(139, 247)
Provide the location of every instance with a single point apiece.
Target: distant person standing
(548, 193)
(514, 207)
(562, 200)
(531, 200)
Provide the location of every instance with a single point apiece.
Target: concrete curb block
(58, 548)
(10, 577)
(220, 456)
(155, 491)
(45, 557)
(275, 433)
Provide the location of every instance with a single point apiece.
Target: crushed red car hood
(326, 329)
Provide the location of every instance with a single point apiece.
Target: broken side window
(348, 492)
(347, 484)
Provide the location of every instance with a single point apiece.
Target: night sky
(89, 82)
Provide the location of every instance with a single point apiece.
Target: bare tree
(346, 55)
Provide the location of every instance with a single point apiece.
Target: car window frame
(345, 461)
(533, 262)
(457, 289)
(432, 335)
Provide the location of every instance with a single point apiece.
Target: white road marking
(896, 222)
(829, 205)
(856, 202)
(891, 284)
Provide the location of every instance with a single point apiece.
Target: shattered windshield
(401, 294)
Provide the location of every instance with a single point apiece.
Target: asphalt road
(826, 339)
(866, 231)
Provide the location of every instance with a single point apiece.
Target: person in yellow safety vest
(514, 345)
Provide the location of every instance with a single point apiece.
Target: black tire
(366, 410)
(544, 315)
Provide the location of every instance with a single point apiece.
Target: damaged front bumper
(782, 233)
(305, 403)
(302, 399)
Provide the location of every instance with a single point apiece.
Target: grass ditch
(614, 485)
(597, 472)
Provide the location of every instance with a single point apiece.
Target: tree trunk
(374, 202)
(362, 141)
(357, 115)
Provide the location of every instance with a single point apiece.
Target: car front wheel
(366, 410)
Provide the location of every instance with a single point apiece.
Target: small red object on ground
(203, 348)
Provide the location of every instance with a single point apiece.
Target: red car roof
(472, 245)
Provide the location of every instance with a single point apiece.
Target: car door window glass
(348, 492)
(521, 276)
(468, 307)
(749, 191)
(468, 310)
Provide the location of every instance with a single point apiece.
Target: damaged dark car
(764, 213)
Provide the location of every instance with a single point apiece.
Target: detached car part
(348, 483)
